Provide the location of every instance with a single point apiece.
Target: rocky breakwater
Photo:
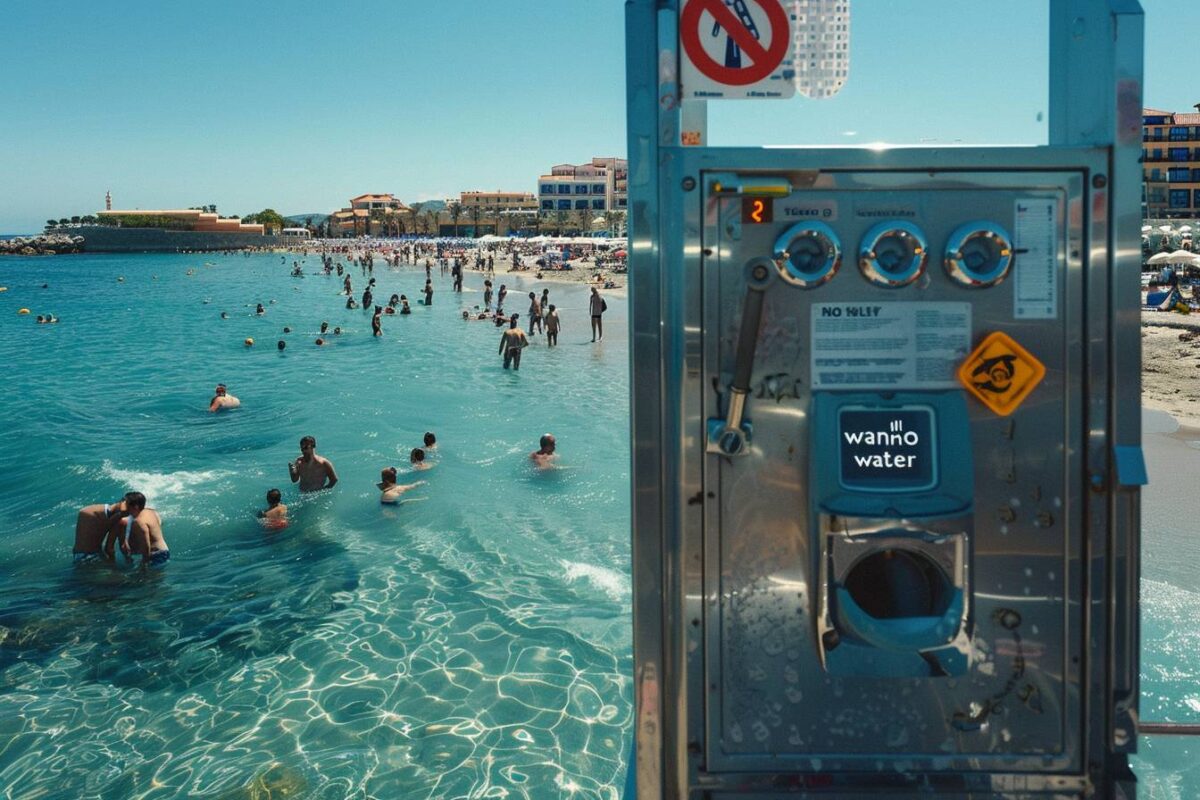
(48, 244)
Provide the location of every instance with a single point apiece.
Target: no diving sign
(735, 49)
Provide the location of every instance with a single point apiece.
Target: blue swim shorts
(159, 558)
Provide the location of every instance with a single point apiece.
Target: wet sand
(1171, 366)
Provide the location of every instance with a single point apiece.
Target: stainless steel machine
(887, 447)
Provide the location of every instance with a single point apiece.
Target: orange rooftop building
(356, 220)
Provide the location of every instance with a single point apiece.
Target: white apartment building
(598, 186)
(821, 46)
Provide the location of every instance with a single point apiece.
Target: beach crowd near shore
(129, 525)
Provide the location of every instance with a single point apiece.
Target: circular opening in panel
(979, 254)
(808, 254)
(894, 584)
(893, 254)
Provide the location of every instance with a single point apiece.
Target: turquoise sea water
(472, 642)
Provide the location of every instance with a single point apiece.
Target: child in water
(275, 516)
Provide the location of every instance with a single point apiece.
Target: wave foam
(158, 486)
(613, 583)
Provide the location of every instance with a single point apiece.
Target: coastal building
(599, 185)
(821, 46)
(1170, 164)
(366, 214)
(189, 219)
(498, 202)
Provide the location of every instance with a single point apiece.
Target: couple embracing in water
(138, 530)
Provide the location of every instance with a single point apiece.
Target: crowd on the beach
(135, 529)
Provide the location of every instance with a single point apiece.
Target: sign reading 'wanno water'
(887, 450)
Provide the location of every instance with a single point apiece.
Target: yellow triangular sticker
(1000, 373)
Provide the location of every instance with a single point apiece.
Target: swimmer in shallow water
(546, 453)
(222, 399)
(141, 534)
(416, 459)
(311, 471)
(389, 489)
(275, 515)
(91, 524)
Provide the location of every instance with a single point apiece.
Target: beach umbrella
(1159, 258)
(1181, 257)
(1165, 228)
(1146, 228)
(1185, 228)
(620, 254)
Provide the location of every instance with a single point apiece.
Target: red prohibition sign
(764, 61)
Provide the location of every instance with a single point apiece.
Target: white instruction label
(889, 345)
(1035, 285)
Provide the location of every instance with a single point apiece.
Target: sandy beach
(1171, 366)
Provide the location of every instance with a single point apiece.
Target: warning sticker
(888, 345)
(1001, 373)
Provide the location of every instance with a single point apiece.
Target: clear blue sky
(301, 105)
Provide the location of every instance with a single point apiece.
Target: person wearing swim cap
(222, 399)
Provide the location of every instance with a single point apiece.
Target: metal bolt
(1006, 514)
(1099, 181)
(1045, 519)
(689, 183)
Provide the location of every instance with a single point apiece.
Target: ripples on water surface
(472, 642)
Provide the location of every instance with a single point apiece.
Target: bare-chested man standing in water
(142, 532)
(312, 471)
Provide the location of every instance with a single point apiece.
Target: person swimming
(390, 491)
(222, 399)
(416, 459)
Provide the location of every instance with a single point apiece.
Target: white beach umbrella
(1165, 228)
(1181, 257)
(1159, 258)
(1185, 228)
(1146, 228)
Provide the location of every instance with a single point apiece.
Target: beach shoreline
(1171, 366)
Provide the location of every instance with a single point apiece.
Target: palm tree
(476, 213)
(560, 220)
(375, 216)
(611, 220)
(455, 210)
(414, 210)
(583, 218)
(431, 219)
